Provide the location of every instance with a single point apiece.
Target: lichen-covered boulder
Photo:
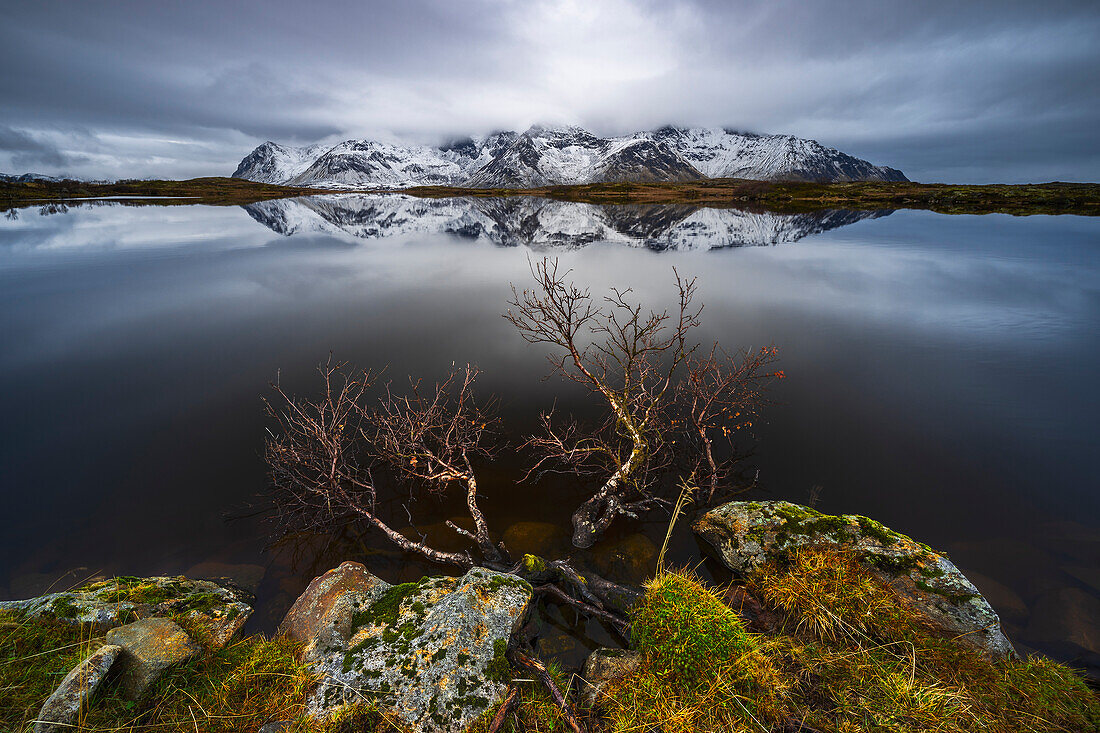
(61, 709)
(431, 651)
(149, 647)
(748, 534)
(221, 611)
(320, 620)
(603, 668)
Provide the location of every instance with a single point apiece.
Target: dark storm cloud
(25, 151)
(943, 90)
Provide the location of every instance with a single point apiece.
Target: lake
(941, 378)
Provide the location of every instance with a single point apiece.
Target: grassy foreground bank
(216, 191)
(796, 197)
(829, 650)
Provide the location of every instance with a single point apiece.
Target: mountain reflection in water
(536, 222)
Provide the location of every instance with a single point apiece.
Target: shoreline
(1082, 199)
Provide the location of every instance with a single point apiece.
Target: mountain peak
(547, 154)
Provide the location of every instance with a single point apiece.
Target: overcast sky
(946, 91)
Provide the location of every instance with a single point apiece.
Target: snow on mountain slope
(727, 154)
(543, 156)
(274, 163)
(541, 223)
(370, 164)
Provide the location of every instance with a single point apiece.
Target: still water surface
(942, 376)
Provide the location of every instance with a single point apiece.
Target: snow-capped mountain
(26, 178)
(730, 154)
(542, 223)
(274, 163)
(543, 156)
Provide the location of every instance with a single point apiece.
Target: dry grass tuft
(847, 658)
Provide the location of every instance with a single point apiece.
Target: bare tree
(316, 456)
(322, 451)
(627, 357)
(429, 439)
(664, 405)
(721, 395)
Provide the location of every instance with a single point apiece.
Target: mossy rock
(432, 651)
(747, 535)
(218, 612)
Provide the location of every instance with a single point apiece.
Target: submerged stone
(149, 647)
(603, 668)
(431, 651)
(106, 604)
(60, 711)
(536, 538)
(631, 559)
(748, 534)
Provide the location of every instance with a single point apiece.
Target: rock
(277, 726)
(535, 538)
(220, 611)
(61, 709)
(1066, 616)
(246, 576)
(321, 617)
(746, 535)
(150, 646)
(629, 560)
(431, 651)
(604, 667)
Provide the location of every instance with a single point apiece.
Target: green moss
(387, 608)
(499, 669)
(893, 564)
(64, 608)
(684, 630)
(128, 589)
(877, 531)
(203, 602)
(506, 580)
(803, 521)
(439, 655)
(955, 598)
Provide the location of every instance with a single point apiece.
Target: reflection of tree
(53, 208)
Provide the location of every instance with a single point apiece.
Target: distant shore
(780, 197)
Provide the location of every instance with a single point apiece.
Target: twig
(539, 670)
(502, 713)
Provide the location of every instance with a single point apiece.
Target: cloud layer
(943, 90)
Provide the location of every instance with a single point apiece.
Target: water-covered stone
(536, 538)
(149, 647)
(603, 668)
(61, 709)
(221, 611)
(631, 559)
(747, 534)
(431, 651)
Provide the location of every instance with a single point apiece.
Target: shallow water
(941, 376)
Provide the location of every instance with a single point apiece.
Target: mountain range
(542, 223)
(543, 156)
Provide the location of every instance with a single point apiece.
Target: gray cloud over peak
(943, 90)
